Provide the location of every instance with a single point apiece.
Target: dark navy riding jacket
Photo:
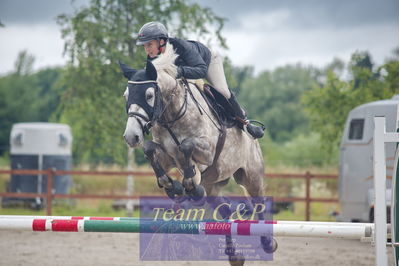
(194, 58)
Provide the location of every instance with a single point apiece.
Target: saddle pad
(220, 105)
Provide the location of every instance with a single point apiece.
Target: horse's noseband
(147, 126)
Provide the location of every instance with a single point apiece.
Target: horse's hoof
(181, 198)
(197, 193)
(178, 188)
(199, 202)
(176, 191)
(170, 193)
(237, 260)
(269, 246)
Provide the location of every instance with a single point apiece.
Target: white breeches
(215, 75)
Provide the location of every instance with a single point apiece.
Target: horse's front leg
(161, 163)
(200, 149)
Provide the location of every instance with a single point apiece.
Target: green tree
(96, 37)
(236, 76)
(327, 108)
(24, 63)
(274, 98)
(392, 77)
(391, 71)
(329, 104)
(27, 96)
(50, 89)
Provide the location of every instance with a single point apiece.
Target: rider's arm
(192, 64)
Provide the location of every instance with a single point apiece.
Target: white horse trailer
(39, 146)
(356, 189)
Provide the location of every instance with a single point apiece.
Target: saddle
(220, 106)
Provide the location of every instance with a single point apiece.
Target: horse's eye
(150, 96)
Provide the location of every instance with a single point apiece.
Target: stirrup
(255, 131)
(260, 124)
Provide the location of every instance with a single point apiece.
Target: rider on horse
(195, 61)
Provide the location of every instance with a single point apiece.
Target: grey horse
(187, 136)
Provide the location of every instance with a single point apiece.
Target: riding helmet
(152, 31)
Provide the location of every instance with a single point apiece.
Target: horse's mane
(165, 66)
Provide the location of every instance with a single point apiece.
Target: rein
(182, 111)
(211, 170)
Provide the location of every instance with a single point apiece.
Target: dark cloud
(285, 31)
(35, 11)
(311, 13)
(304, 13)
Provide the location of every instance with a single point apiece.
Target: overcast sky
(262, 33)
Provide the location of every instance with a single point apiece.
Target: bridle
(158, 116)
(147, 126)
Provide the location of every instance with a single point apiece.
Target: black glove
(179, 72)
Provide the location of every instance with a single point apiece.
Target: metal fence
(50, 173)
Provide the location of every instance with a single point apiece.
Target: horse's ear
(151, 71)
(128, 72)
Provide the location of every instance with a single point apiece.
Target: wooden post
(50, 174)
(307, 209)
(130, 182)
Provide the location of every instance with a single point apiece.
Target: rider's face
(152, 48)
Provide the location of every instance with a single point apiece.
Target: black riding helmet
(152, 31)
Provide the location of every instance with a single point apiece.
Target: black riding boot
(255, 131)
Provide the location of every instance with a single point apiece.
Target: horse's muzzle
(132, 141)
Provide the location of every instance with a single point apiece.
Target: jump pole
(324, 230)
(370, 225)
(395, 204)
(394, 209)
(380, 217)
(280, 228)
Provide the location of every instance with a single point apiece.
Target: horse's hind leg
(161, 163)
(222, 204)
(252, 180)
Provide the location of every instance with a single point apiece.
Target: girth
(210, 170)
